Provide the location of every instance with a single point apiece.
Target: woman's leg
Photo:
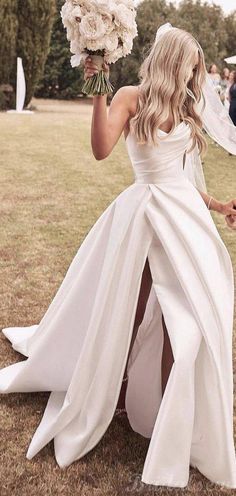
(146, 284)
(145, 288)
(167, 357)
(167, 354)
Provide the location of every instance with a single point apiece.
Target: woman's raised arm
(107, 126)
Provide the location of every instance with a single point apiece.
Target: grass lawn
(52, 192)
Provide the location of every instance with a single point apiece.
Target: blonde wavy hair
(166, 74)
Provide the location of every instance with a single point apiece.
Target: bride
(143, 319)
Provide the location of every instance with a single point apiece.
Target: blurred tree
(8, 33)
(230, 25)
(35, 19)
(207, 24)
(214, 31)
(150, 15)
(60, 80)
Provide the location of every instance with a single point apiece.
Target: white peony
(94, 45)
(101, 4)
(76, 59)
(126, 3)
(128, 34)
(111, 42)
(70, 34)
(76, 14)
(87, 5)
(65, 14)
(75, 46)
(112, 57)
(105, 25)
(123, 16)
(92, 26)
(127, 47)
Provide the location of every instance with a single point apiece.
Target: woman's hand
(90, 68)
(229, 210)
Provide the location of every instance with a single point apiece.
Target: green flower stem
(98, 84)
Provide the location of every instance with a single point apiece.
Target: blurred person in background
(224, 83)
(231, 79)
(232, 99)
(215, 77)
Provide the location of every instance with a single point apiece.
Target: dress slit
(144, 293)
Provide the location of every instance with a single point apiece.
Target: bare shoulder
(125, 103)
(129, 94)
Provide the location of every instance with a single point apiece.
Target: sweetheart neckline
(176, 127)
(161, 130)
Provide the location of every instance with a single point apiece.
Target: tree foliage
(150, 15)
(208, 24)
(35, 19)
(59, 80)
(8, 30)
(25, 32)
(230, 25)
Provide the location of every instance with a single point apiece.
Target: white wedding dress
(78, 351)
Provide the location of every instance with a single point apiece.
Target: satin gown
(79, 350)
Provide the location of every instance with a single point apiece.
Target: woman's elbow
(100, 155)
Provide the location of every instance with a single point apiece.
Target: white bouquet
(103, 29)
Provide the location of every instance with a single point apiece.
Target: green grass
(52, 192)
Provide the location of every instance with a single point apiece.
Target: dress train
(79, 350)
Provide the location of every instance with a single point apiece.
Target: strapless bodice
(162, 163)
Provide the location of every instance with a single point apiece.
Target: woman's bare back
(134, 95)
